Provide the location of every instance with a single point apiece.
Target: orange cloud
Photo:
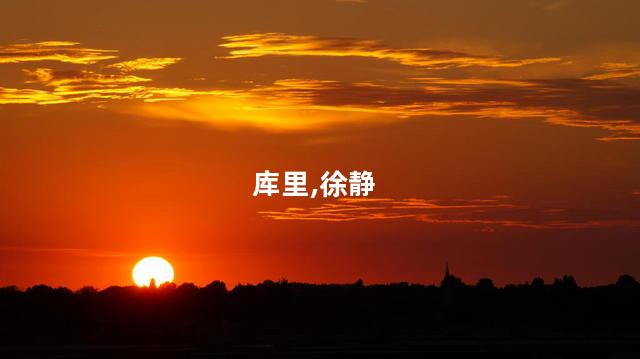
(470, 82)
(49, 77)
(616, 70)
(273, 43)
(27, 96)
(145, 63)
(291, 104)
(294, 104)
(577, 103)
(482, 212)
(62, 51)
(79, 86)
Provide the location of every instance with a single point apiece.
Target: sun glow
(152, 268)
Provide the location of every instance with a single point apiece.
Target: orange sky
(504, 139)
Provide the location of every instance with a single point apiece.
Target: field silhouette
(283, 319)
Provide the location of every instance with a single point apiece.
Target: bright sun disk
(156, 268)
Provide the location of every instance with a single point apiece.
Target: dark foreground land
(293, 320)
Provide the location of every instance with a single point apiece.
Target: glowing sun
(156, 268)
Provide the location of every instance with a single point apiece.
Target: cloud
(470, 82)
(75, 79)
(280, 44)
(616, 70)
(494, 211)
(84, 85)
(578, 103)
(62, 51)
(27, 96)
(300, 104)
(567, 102)
(292, 104)
(145, 63)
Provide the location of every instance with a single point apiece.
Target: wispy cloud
(62, 51)
(74, 79)
(73, 94)
(469, 82)
(490, 212)
(27, 96)
(145, 63)
(83, 85)
(577, 103)
(596, 100)
(292, 104)
(615, 70)
(274, 43)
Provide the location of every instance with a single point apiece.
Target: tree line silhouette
(297, 314)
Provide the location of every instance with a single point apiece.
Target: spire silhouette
(449, 279)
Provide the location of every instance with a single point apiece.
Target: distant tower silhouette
(450, 280)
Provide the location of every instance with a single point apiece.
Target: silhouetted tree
(87, 290)
(290, 314)
(626, 281)
(567, 281)
(188, 288)
(485, 283)
(9, 289)
(537, 282)
(168, 286)
(216, 287)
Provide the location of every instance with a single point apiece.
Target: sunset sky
(504, 138)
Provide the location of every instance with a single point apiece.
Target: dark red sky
(504, 139)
